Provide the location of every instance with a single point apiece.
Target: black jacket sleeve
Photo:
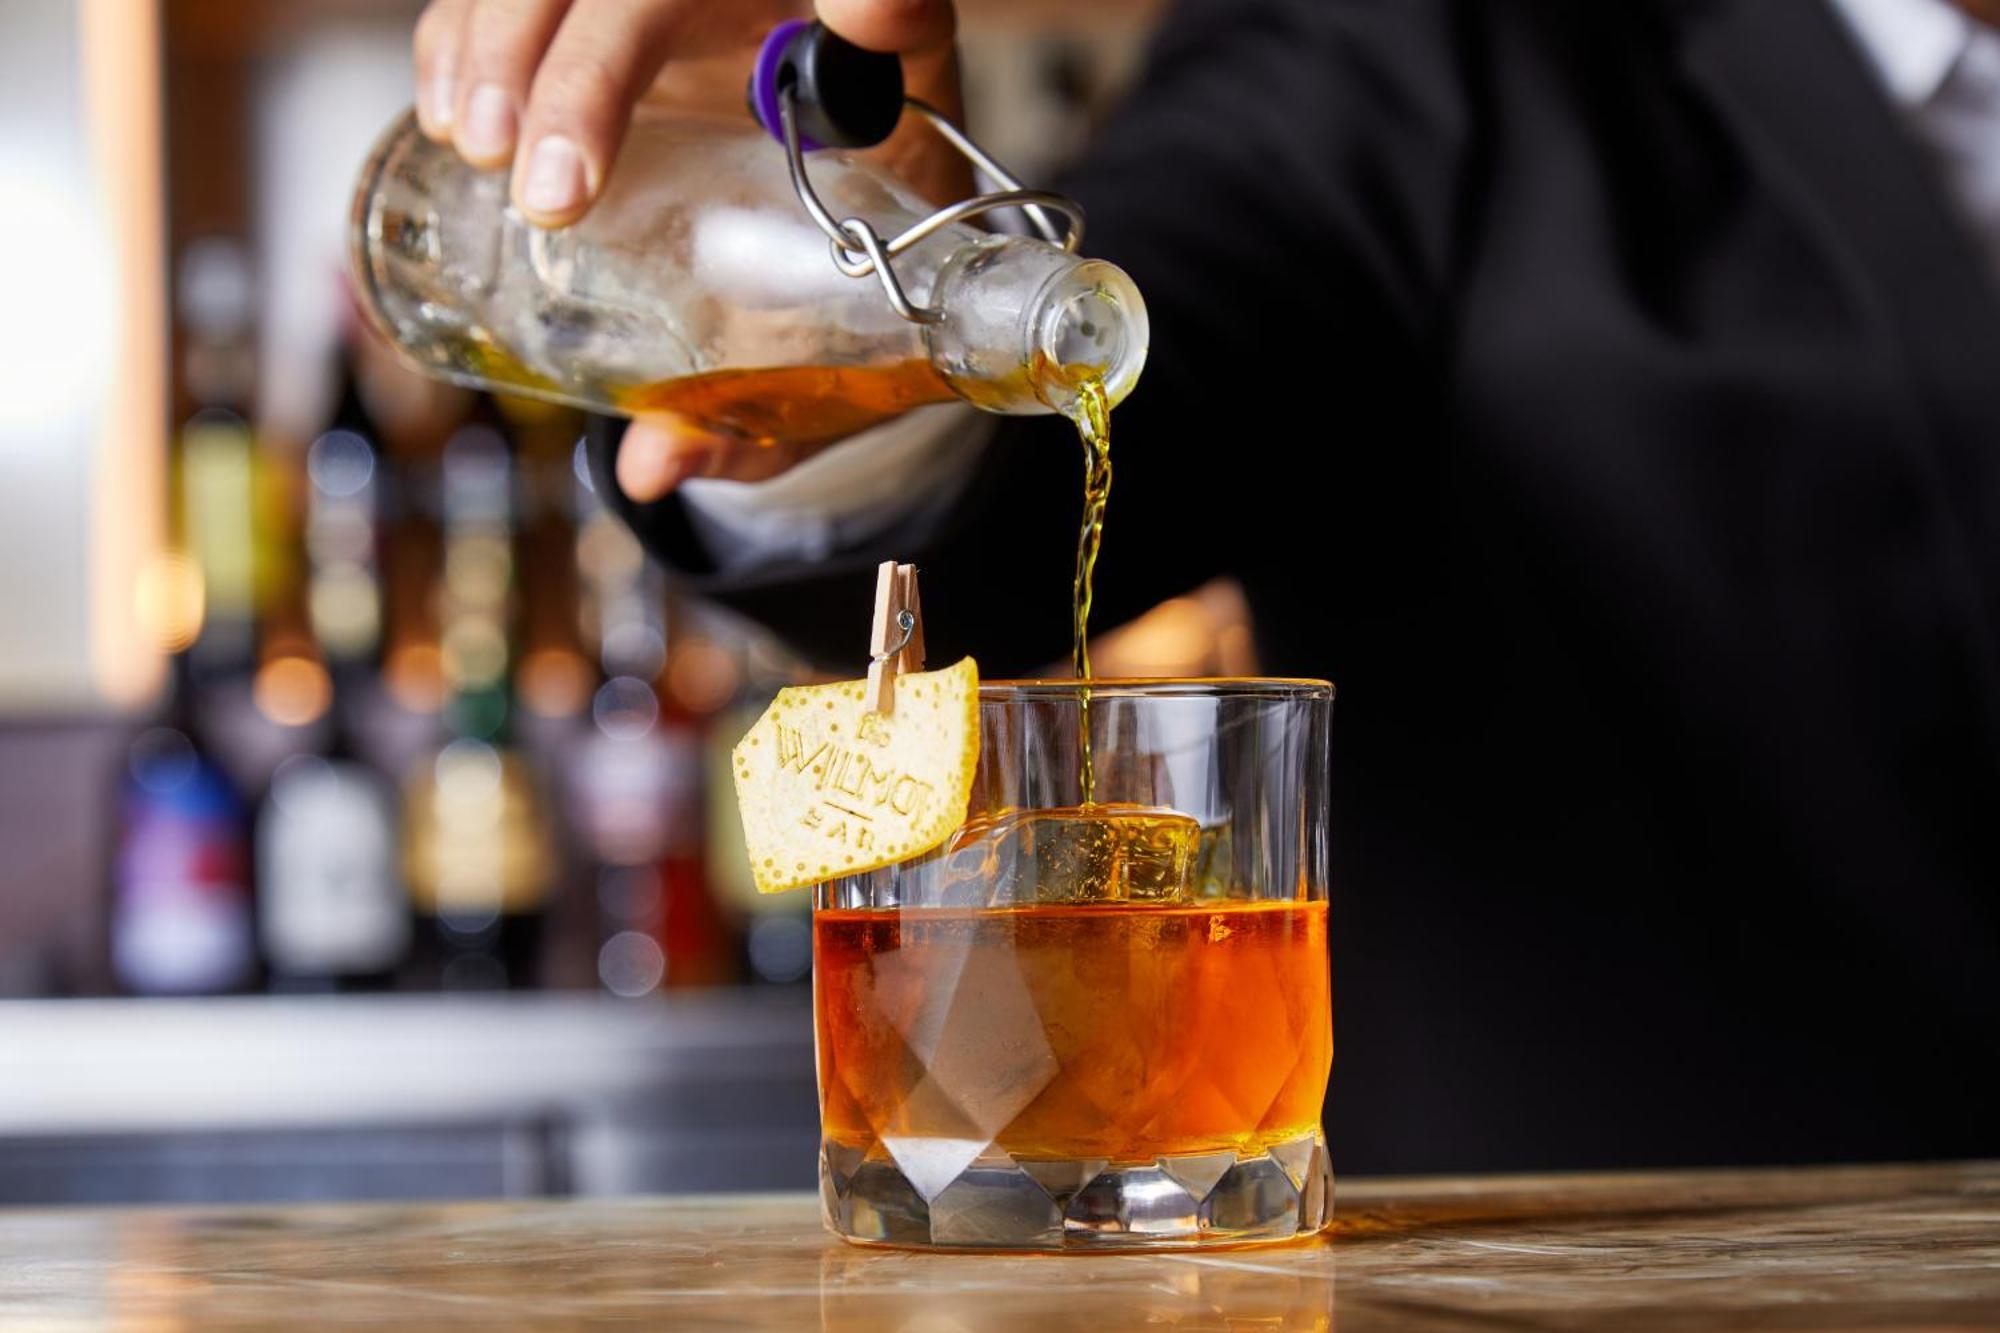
(1282, 185)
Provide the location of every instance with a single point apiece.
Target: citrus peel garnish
(827, 788)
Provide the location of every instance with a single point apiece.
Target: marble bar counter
(1848, 1247)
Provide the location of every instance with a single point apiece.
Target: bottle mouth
(1092, 324)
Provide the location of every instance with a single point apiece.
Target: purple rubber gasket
(764, 80)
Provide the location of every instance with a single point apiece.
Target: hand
(550, 85)
(559, 79)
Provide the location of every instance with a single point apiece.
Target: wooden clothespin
(896, 644)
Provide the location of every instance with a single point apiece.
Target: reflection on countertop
(1839, 1247)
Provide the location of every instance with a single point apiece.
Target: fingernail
(439, 95)
(554, 182)
(488, 132)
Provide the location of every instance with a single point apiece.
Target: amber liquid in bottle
(792, 404)
(795, 405)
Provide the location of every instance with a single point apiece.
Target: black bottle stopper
(842, 96)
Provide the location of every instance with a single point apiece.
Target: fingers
(550, 84)
(662, 451)
(602, 58)
(435, 49)
(504, 42)
(659, 453)
(901, 26)
(921, 32)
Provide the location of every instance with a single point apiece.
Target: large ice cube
(1075, 854)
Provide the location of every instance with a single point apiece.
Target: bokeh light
(169, 599)
(292, 691)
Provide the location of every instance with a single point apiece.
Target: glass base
(999, 1202)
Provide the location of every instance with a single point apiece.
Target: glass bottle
(477, 853)
(342, 529)
(332, 912)
(697, 284)
(215, 455)
(182, 911)
(636, 775)
(331, 907)
(215, 471)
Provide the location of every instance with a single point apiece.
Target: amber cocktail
(1102, 1025)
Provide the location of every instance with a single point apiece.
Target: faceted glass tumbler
(1099, 1017)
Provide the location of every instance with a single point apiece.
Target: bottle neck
(1026, 325)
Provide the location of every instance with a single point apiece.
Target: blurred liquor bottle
(412, 552)
(554, 681)
(775, 928)
(635, 779)
(696, 935)
(478, 856)
(182, 911)
(215, 455)
(333, 914)
(621, 780)
(556, 676)
(215, 475)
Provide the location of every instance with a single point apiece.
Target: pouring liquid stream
(1092, 415)
(803, 405)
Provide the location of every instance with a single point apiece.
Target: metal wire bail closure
(797, 57)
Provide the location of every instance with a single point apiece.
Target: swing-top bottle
(697, 284)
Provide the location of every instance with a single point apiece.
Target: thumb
(658, 454)
(900, 26)
(921, 32)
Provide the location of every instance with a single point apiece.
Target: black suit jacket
(1605, 396)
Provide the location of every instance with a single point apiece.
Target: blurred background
(364, 825)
